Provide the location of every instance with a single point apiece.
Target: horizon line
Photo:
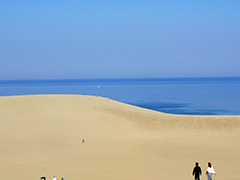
(96, 79)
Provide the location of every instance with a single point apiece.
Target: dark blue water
(203, 96)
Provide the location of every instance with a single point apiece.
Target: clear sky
(79, 39)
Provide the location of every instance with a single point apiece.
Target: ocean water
(198, 96)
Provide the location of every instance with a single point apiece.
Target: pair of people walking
(197, 172)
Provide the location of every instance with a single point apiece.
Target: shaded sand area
(41, 135)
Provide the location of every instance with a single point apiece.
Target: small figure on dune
(210, 171)
(43, 178)
(83, 140)
(197, 172)
(62, 179)
(54, 178)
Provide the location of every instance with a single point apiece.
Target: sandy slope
(42, 136)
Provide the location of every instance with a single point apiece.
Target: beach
(42, 135)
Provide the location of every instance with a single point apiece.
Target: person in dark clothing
(197, 171)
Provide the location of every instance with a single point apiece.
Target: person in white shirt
(210, 171)
(54, 178)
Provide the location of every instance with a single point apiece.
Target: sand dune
(41, 135)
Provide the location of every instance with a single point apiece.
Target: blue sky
(79, 39)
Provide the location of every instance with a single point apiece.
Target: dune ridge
(153, 120)
(41, 135)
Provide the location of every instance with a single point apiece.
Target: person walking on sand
(197, 172)
(54, 178)
(210, 171)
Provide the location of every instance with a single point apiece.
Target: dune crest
(148, 119)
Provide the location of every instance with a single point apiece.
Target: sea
(189, 96)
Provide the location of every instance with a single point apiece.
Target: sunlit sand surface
(42, 135)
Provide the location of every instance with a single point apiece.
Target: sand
(41, 135)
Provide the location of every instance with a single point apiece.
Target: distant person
(43, 178)
(62, 179)
(197, 172)
(54, 178)
(210, 171)
(83, 140)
